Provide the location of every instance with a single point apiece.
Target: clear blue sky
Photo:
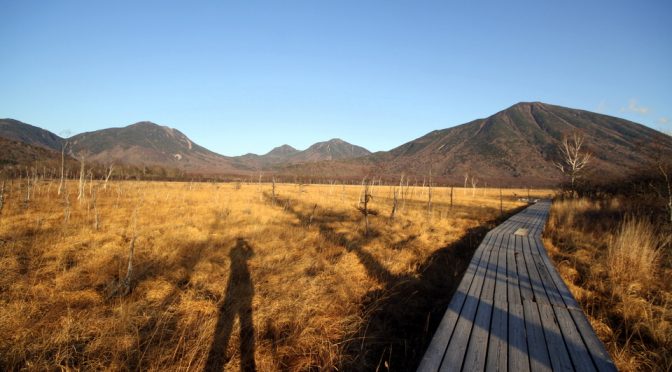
(246, 76)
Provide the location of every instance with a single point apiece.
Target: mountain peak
(283, 150)
(144, 123)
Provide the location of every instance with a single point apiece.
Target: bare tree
(574, 157)
(82, 160)
(60, 185)
(2, 196)
(110, 169)
(395, 201)
(395, 196)
(363, 207)
(429, 193)
(451, 197)
(273, 190)
(466, 178)
(666, 174)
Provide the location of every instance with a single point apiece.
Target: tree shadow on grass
(403, 315)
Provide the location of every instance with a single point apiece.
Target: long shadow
(237, 301)
(403, 315)
(158, 330)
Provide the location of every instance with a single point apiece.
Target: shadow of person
(237, 300)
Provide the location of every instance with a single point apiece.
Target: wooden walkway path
(512, 311)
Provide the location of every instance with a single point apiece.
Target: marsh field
(227, 275)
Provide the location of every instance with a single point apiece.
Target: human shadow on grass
(401, 316)
(237, 301)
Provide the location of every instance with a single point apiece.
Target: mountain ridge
(515, 145)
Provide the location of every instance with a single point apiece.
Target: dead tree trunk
(668, 185)
(108, 175)
(466, 178)
(395, 192)
(273, 190)
(451, 197)
(364, 205)
(80, 196)
(60, 185)
(2, 197)
(429, 194)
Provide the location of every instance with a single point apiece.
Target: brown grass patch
(225, 277)
(617, 264)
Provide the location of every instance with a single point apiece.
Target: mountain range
(517, 145)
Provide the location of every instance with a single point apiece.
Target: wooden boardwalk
(512, 311)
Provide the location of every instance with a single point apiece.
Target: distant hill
(17, 131)
(334, 149)
(146, 143)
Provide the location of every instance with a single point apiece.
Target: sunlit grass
(617, 267)
(206, 256)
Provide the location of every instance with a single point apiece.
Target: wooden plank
(535, 280)
(518, 354)
(560, 360)
(552, 291)
(538, 350)
(555, 276)
(523, 275)
(437, 347)
(498, 344)
(577, 349)
(478, 340)
(457, 346)
(597, 351)
(513, 288)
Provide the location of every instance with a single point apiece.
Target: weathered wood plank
(577, 349)
(560, 360)
(523, 275)
(498, 343)
(457, 345)
(535, 280)
(555, 276)
(518, 354)
(599, 354)
(552, 291)
(538, 351)
(437, 347)
(478, 342)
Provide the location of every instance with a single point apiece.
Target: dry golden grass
(229, 278)
(618, 267)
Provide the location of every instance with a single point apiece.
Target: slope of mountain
(23, 155)
(17, 131)
(146, 143)
(521, 143)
